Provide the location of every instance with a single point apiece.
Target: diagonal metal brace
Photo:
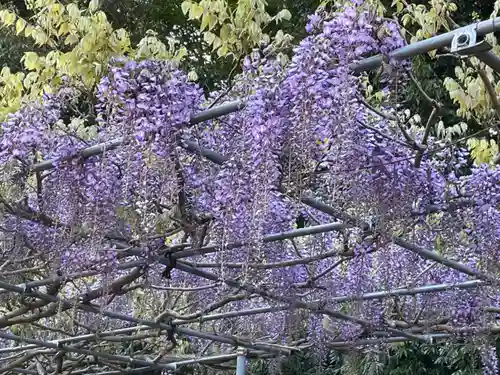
(479, 48)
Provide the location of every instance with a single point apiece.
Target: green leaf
(93, 6)
(283, 15)
(71, 39)
(63, 28)
(28, 30)
(181, 53)
(20, 25)
(196, 11)
(30, 60)
(223, 51)
(73, 11)
(406, 19)
(279, 37)
(224, 32)
(217, 43)
(209, 37)
(52, 57)
(192, 76)
(204, 22)
(265, 38)
(212, 21)
(254, 31)
(30, 79)
(186, 6)
(8, 18)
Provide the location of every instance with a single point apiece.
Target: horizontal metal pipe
(73, 276)
(214, 359)
(90, 336)
(110, 314)
(84, 371)
(433, 337)
(363, 297)
(410, 291)
(324, 228)
(267, 266)
(218, 111)
(140, 371)
(70, 349)
(84, 153)
(98, 149)
(343, 344)
(427, 45)
(433, 255)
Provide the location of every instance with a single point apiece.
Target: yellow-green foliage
(80, 43)
(467, 89)
(431, 20)
(469, 92)
(234, 30)
(482, 151)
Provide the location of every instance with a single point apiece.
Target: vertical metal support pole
(241, 361)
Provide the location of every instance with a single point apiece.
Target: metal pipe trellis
(424, 253)
(183, 254)
(367, 342)
(208, 249)
(411, 336)
(436, 42)
(71, 349)
(97, 310)
(135, 320)
(367, 296)
(443, 40)
(434, 337)
(314, 307)
(190, 332)
(424, 289)
(173, 365)
(323, 228)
